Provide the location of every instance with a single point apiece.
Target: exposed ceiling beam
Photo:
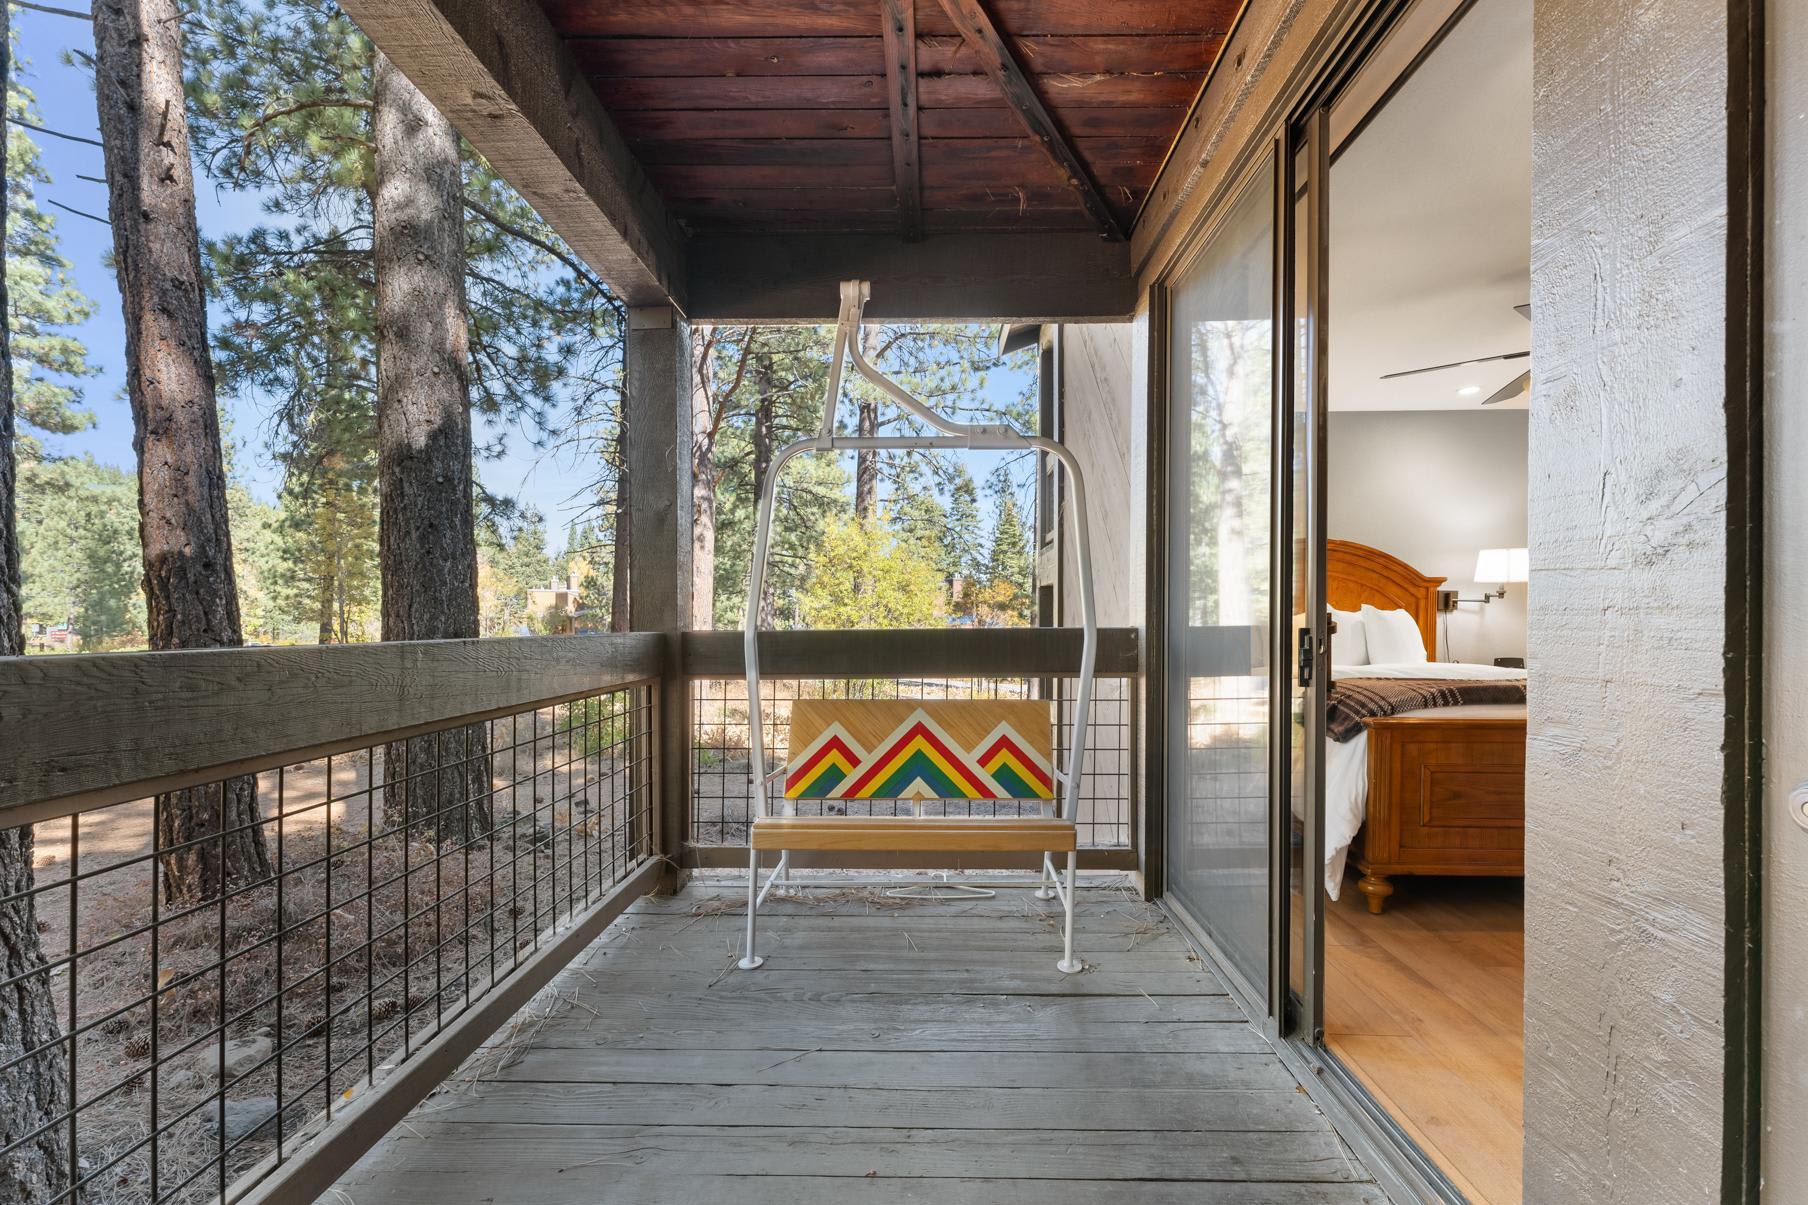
(975, 25)
(899, 18)
(986, 276)
(502, 76)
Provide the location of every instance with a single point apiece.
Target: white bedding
(1347, 762)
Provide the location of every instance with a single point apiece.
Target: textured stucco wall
(1785, 1154)
(1624, 890)
(1096, 418)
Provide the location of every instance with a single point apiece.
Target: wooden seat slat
(1012, 834)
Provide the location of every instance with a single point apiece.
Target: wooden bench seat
(1009, 834)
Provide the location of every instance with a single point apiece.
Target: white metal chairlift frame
(969, 436)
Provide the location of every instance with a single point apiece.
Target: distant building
(552, 606)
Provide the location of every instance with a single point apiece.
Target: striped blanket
(1354, 700)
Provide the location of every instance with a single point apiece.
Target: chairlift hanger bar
(953, 434)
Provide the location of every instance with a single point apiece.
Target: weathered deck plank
(887, 1054)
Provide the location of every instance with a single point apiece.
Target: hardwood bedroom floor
(1424, 1003)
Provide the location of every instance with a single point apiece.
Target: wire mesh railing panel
(722, 793)
(225, 967)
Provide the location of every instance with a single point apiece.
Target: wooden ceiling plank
(975, 25)
(668, 125)
(1172, 90)
(946, 54)
(643, 125)
(899, 29)
(1083, 55)
(504, 78)
(626, 94)
(853, 18)
(1022, 199)
(732, 92)
(1110, 121)
(763, 175)
(674, 57)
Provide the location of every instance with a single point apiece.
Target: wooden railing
(437, 829)
(433, 831)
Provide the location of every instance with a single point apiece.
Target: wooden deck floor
(887, 1052)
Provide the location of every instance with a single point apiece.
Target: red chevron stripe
(834, 745)
(1027, 762)
(956, 763)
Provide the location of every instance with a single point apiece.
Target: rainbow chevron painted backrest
(902, 749)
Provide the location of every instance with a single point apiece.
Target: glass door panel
(1221, 468)
(1302, 572)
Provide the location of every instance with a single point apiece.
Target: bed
(1437, 791)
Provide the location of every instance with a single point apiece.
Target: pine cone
(384, 1009)
(138, 1046)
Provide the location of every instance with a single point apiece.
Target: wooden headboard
(1356, 574)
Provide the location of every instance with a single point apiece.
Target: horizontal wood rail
(913, 653)
(86, 731)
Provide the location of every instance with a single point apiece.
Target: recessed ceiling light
(1469, 391)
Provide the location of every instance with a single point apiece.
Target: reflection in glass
(1221, 458)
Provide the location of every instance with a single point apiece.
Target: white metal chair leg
(1046, 891)
(750, 960)
(1069, 964)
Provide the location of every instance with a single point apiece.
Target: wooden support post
(658, 411)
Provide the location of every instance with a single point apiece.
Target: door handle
(1306, 644)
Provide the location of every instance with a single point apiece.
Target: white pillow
(1350, 642)
(1394, 639)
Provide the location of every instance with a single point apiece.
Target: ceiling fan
(1518, 385)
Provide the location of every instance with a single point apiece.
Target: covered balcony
(524, 988)
(466, 921)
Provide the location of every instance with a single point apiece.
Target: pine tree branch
(319, 102)
(32, 125)
(578, 269)
(54, 11)
(80, 213)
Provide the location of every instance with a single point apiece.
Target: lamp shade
(1502, 565)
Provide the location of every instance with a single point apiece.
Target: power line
(55, 12)
(32, 125)
(80, 213)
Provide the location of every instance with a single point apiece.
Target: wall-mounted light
(1501, 566)
(1469, 391)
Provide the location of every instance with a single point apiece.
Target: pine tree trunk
(866, 460)
(34, 1092)
(191, 598)
(764, 416)
(624, 531)
(426, 526)
(703, 490)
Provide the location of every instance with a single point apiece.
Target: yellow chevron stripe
(830, 757)
(900, 755)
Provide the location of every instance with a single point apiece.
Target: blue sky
(554, 483)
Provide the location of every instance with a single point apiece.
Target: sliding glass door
(1220, 604)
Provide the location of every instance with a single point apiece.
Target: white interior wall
(1785, 936)
(1434, 487)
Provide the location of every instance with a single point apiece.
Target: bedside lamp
(1500, 565)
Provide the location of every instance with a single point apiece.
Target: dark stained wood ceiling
(776, 115)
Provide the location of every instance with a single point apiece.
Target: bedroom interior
(1426, 519)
